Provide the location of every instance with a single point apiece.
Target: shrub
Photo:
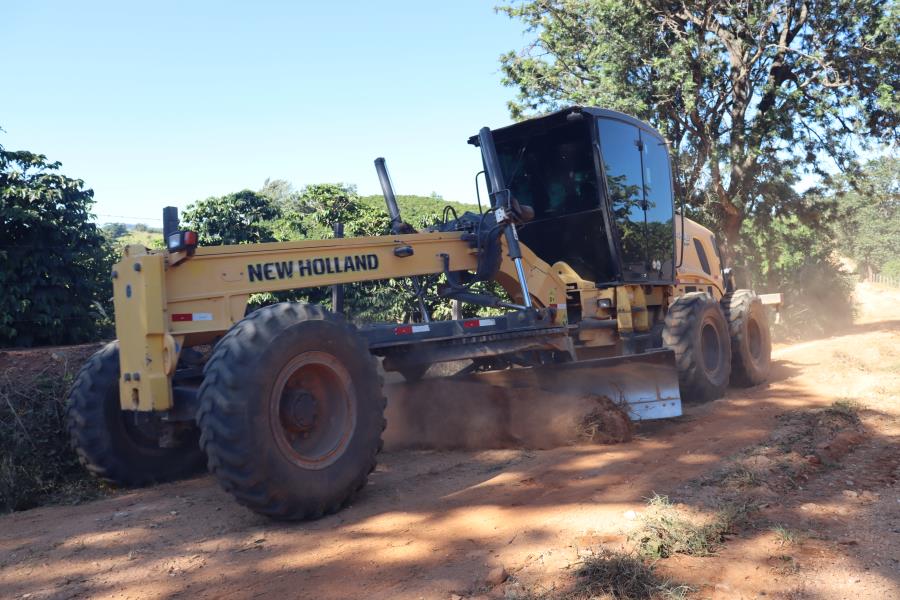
(54, 262)
(37, 465)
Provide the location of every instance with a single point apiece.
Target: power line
(128, 217)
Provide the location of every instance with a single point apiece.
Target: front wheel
(696, 330)
(291, 411)
(122, 447)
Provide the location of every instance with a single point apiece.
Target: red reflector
(471, 323)
(403, 330)
(182, 316)
(190, 238)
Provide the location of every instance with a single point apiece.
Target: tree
(240, 218)
(329, 203)
(54, 261)
(418, 211)
(280, 191)
(115, 230)
(745, 92)
(868, 204)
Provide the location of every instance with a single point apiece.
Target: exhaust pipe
(397, 226)
(387, 189)
(170, 221)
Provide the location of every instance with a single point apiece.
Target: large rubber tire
(291, 411)
(109, 441)
(696, 330)
(751, 341)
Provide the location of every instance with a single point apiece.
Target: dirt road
(433, 524)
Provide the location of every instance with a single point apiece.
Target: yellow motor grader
(609, 291)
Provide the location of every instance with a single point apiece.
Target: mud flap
(647, 384)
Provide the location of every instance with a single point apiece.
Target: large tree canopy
(746, 92)
(54, 262)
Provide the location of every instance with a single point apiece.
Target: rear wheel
(696, 330)
(291, 411)
(751, 342)
(122, 447)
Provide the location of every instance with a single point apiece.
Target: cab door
(639, 188)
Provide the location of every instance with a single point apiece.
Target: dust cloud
(466, 413)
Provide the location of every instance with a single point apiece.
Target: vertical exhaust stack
(397, 225)
(387, 189)
(170, 221)
(337, 291)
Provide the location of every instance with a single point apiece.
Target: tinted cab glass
(553, 171)
(639, 183)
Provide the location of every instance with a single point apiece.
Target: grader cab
(608, 291)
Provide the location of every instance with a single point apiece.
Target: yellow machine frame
(167, 301)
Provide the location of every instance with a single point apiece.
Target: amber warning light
(182, 241)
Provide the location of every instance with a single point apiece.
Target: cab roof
(560, 117)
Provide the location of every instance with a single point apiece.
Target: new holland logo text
(288, 269)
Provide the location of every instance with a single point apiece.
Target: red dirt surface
(434, 524)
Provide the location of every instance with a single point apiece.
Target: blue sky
(164, 103)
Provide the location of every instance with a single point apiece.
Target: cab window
(639, 182)
(701, 256)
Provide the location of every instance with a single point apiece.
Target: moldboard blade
(646, 383)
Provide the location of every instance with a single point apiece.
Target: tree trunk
(730, 236)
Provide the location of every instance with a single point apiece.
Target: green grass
(785, 536)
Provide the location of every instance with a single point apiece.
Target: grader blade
(646, 385)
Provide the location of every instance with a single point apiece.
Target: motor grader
(608, 290)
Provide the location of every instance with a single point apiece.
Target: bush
(54, 262)
(37, 464)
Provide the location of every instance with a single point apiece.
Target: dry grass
(665, 531)
(741, 477)
(608, 575)
(607, 424)
(847, 407)
(850, 361)
(785, 536)
(621, 576)
(37, 465)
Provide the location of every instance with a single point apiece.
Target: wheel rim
(312, 410)
(709, 347)
(754, 340)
